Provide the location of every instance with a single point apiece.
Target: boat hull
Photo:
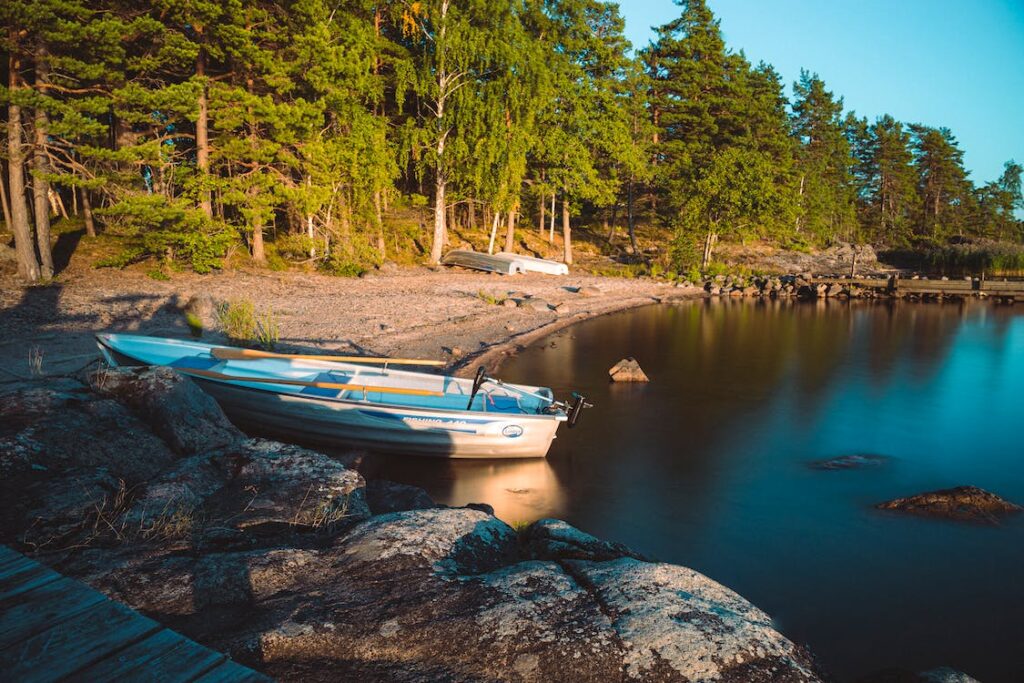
(378, 427)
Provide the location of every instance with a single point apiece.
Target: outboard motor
(576, 408)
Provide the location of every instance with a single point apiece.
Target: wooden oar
(250, 354)
(300, 383)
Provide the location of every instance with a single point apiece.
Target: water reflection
(707, 466)
(519, 490)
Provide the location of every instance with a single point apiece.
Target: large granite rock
(50, 431)
(246, 493)
(448, 594)
(269, 552)
(177, 410)
(962, 503)
(553, 539)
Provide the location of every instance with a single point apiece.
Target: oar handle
(302, 383)
(227, 353)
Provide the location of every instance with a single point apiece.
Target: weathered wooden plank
(119, 665)
(996, 286)
(958, 286)
(52, 627)
(6, 554)
(14, 564)
(231, 672)
(74, 643)
(186, 661)
(25, 577)
(25, 614)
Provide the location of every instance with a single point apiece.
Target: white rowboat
(503, 262)
(354, 405)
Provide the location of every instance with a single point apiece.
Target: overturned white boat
(348, 404)
(536, 265)
(503, 262)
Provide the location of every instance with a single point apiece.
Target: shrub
(242, 323)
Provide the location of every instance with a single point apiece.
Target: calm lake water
(708, 466)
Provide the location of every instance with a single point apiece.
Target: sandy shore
(415, 312)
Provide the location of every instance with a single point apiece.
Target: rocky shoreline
(135, 482)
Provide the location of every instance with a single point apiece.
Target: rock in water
(850, 462)
(963, 503)
(627, 370)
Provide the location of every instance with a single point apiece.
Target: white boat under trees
(319, 400)
(503, 262)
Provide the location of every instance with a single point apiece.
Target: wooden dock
(54, 628)
(981, 287)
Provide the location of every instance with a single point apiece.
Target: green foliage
(327, 125)
(488, 298)
(244, 324)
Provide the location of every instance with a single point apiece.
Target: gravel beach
(455, 315)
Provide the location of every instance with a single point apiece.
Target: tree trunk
(629, 217)
(551, 225)
(28, 266)
(566, 233)
(259, 254)
(90, 224)
(709, 245)
(40, 185)
(378, 215)
(472, 213)
(494, 232)
(437, 245)
(540, 210)
(203, 135)
(799, 203)
(510, 231)
(3, 195)
(610, 224)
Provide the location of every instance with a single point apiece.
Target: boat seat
(204, 362)
(321, 391)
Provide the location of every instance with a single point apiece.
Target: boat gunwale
(240, 383)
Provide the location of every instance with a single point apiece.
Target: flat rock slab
(627, 370)
(963, 503)
(857, 461)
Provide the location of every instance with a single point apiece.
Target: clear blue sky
(938, 62)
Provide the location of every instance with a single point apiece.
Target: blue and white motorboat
(350, 404)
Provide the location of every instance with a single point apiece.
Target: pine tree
(941, 181)
(825, 194)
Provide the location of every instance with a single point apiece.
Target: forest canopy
(293, 128)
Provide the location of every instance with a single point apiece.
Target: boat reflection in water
(519, 490)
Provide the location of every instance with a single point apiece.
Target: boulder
(627, 370)
(962, 503)
(676, 624)
(383, 496)
(172, 405)
(446, 594)
(200, 313)
(46, 432)
(553, 539)
(247, 494)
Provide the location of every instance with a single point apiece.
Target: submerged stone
(850, 462)
(962, 503)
